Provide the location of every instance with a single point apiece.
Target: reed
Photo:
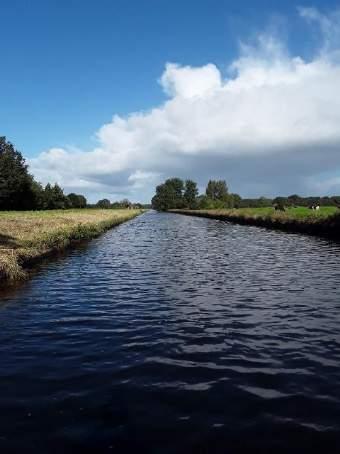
(31, 235)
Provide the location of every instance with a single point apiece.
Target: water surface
(175, 334)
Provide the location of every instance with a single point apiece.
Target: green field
(323, 222)
(29, 235)
(292, 213)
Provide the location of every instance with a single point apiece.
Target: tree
(16, 191)
(54, 198)
(217, 190)
(162, 199)
(60, 200)
(206, 203)
(77, 200)
(336, 201)
(176, 187)
(190, 194)
(256, 203)
(104, 203)
(125, 203)
(294, 200)
(39, 195)
(263, 202)
(48, 197)
(216, 196)
(280, 203)
(235, 200)
(169, 195)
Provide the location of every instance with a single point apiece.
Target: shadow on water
(175, 335)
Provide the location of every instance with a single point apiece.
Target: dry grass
(28, 235)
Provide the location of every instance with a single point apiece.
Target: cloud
(188, 82)
(269, 125)
(329, 27)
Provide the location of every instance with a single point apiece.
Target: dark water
(173, 334)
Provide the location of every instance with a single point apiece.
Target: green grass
(291, 213)
(323, 222)
(30, 235)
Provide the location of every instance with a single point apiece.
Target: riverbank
(324, 222)
(27, 237)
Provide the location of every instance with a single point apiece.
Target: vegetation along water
(310, 215)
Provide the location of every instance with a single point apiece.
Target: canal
(175, 334)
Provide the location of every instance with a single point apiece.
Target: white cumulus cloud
(270, 124)
(188, 82)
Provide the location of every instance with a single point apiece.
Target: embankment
(328, 227)
(27, 237)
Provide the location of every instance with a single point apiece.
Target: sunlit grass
(30, 234)
(302, 213)
(324, 222)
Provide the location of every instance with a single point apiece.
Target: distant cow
(314, 207)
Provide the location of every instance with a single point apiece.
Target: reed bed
(31, 235)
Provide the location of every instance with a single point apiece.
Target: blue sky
(69, 66)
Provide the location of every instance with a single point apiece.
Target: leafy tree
(190, 194)
(60, 200)
(206, 203)
(280, 202)
(16, 191)
(39, 195)
(54, 198)
(336, 201)
(82, 201)
(294, 200)
(236, 200)
(169, 195)
(217, 190)
(19, 190)
(255, 203)
(77, 200)
(162, 200)
(125, 203)
(48, 197)
(263, 202)
(176, 187)
(104, 203)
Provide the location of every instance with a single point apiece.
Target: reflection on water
(175, 334)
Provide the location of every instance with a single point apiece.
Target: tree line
(176, 193)
(123, 204)
(293, 200)
(20, 191)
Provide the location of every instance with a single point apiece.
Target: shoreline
(328, 227)
(15, 261)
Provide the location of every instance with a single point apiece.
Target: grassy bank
(324, 222)
(29, 236)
